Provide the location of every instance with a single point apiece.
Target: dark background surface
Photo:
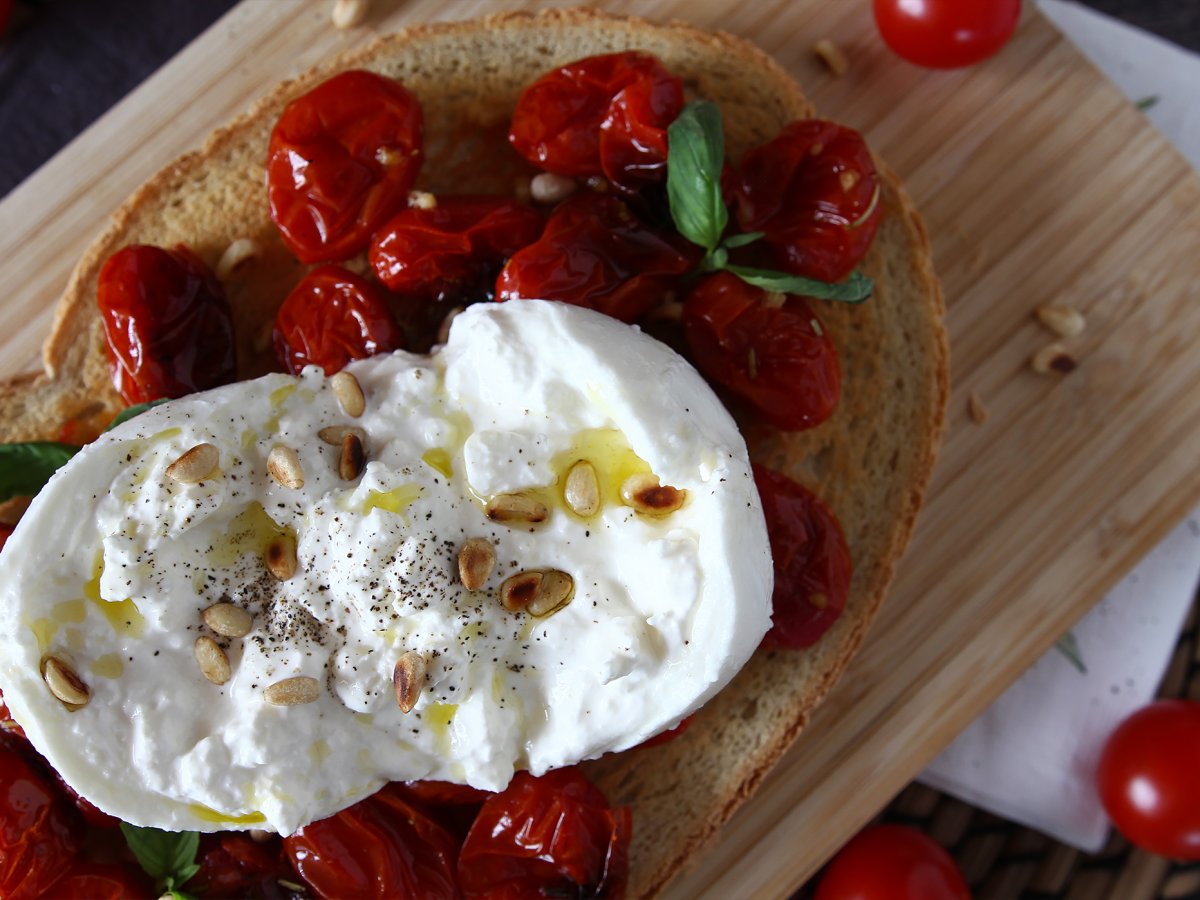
(64, 62)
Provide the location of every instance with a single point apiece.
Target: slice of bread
(871, 461)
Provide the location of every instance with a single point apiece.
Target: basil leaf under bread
(695, 157)
(855, 289)
(25, 468)
(136, 410)
(169, 857)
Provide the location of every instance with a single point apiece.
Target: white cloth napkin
(1031, 756)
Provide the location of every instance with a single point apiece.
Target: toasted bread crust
(871, 461)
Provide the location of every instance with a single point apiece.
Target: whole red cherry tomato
(166, 322)
(892, 862)
(380, 847)
(37, 838)
(770, 351)
(553, 835)
(341, 161)
(811, 559)
(1149, 778)
(814, 191)
(102, 881)
(455, 248)
(235, 865)
(595, 252)
(604, 115)
(946, 34)
(330, 318)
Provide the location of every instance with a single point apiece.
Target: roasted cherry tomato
(445, 793)
(235, 865)
(814, 192)
(669, 735)
(550, 836)
(166, 322)
(330, 318)
(340, 163)
(102, 881)
(92, 814)
(37, 839)
(892, 862)
(380, 847)
(769, 350)
(5, 533)
(604, 115)
(946, 34)
(812, 561)
(1149, 778)
(595, 252)
(454, 249)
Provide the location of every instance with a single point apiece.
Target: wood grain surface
(1039, 184)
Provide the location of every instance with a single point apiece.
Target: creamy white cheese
(114, 562)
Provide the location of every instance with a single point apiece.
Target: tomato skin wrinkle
(340, 163)
(596, 252)
(167, 323)
(1148, 776)
(810, 557)
(604, 115)
(946, 34)
(775, 356)
(814, 192)
(445, 252)
(331, 318)
(549, 835)
(892, 862)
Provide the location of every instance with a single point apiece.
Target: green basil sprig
(25, 468)
(136, 410)
(695, 158)
(169, 857)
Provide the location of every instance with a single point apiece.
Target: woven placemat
(1005, 861)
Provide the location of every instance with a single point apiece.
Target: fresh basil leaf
(741, 240)
(136, 410)
(166, 856)
(718, 259)
(25, 468)
(695, 157)
(855, 289)
(1068, 646)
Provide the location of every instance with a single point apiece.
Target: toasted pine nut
(1053, 359)
(349, 393)
(348, 13)
(408, 678)
(235, 258)
(214, 664)
(350, 463)
(518, 591)
(554, 592)
(284, 465)
(335, 434)
(476, 559)
(516, 508)
(582, 489)
(546, 187)
(1065, 321)
(833, 57)
(647, 496)
(281, 557)
(65, 684)
(228, 620)
(293, 691)
(194, 465)
(422, 200)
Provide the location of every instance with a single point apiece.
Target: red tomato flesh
(814, 192)
(340, 163)
(892, 862)
(37, 837)
(103, 881)
(331, 318)
(811, 560)
(1149, 778)
(604, 115)
(167, 324)
(769, 350)
(946, 34)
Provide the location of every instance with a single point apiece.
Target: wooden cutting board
(1038, 183)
